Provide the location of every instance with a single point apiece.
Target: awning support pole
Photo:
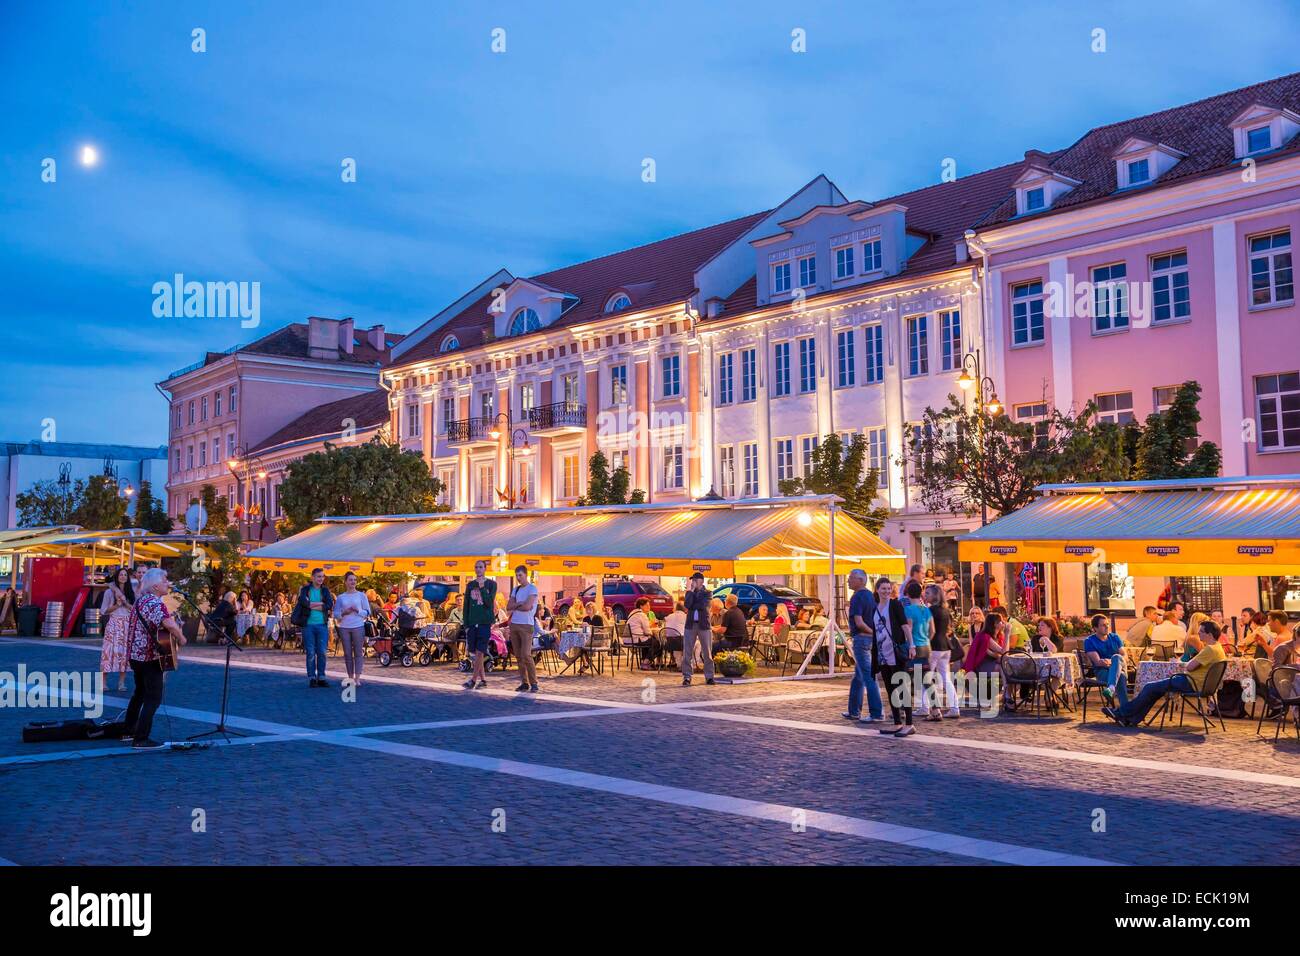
(827, 635)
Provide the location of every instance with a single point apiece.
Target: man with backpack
(312, 613)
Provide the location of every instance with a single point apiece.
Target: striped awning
(789, 538)
(1193, 531)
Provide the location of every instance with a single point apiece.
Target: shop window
(1109, 587)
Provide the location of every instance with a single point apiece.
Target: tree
(606, 489)
(963, 460)
(217, 508)
(841, 471)
(101, 506)
(1167, 445)
(44, 504)
(149, 513)
(207, 577)
(375, 478)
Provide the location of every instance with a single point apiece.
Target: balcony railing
(471, 429)
(559, 415)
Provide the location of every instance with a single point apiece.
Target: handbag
(300, 611)
(369, 627)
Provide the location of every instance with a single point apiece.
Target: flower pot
(733, 669)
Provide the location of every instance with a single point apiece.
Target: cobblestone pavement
(625, 768)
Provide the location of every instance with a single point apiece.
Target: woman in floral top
(148, 618)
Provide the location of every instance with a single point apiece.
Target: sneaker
(322, 683)
(469, 684)
(847, 716)
(1112, 714)
(891, 728)
(933, 716)
(686, 682)
(480, 685)
(533, 688)
(907, 731)
(868, 719)
(145, 743)
(709, 681)
(312, 682)
(521, 687)
(953, 712)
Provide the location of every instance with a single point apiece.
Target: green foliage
(606, 489)
(44, 504)
(217, 508)
(205, 579)
(101, 506)
(837, 470)
(149, 512)
(968, 458)
(1161, 449)
(375, 478)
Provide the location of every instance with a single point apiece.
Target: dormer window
(1261, 128)
(618, 303)
(1140, 162)
(1039, 186)
(1139, 172)
(1034, 199)
(449, 343)
(525, 320)
(781, 277)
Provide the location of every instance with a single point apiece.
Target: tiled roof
(943, 212)
(1198, 129)
(653, 274)
(365, 410)
(291, 342)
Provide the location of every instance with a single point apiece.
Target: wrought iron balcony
(561, 416)
(466, 430)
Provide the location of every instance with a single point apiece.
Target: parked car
(750, 596)
(620, 597)
(435, 592)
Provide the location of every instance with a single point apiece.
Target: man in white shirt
(521, 607)
(1169, 634)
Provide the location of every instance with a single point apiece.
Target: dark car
(620, 597)
(435, 592)
(750, 596)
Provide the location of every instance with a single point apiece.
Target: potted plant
(735, 664)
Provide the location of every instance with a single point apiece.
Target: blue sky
(225, 165)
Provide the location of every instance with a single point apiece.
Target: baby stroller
(497, 651)
(381, 644)
(409, 647)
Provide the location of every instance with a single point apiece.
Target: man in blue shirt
(1105, 652)
(862, 607)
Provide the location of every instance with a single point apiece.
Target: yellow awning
(1238, 530)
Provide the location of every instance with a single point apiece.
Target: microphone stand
(229, 641)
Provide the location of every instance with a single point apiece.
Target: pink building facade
(224, 409)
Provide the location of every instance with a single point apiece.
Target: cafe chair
(1085, 683)
(1261, 669)
(1020, 670)
(1283, 690)
(1199, 699)
(599, 647)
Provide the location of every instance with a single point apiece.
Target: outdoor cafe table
(1064, 667)
(1239, 669)
(577, 644)
(247, 620)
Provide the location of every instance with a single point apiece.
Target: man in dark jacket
(312, 614)
(698, 628)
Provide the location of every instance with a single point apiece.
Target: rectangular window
(782, 370)
(875, 336)
(618, 385)
(448, 413)
(189, 457)
(523, 489)
(178, 459)
(1277, 400)
(673, 460)
(1115, 407)
(191, 415)
(748, 375)
(618, 459)
(726, 378)
(216, 450)
(950, 339)
(1171, 296)
(485, 486)
(570, 390)
(203, 454)
(844, 262)
(203, 409)
(1271, 279)
(230, 445)
(871, 256)
(845, 372)
(807, 451)
(1034, 199)
(749, 459)
(412, 421)
(808, 271)
(1027, 313)
(216, 404)
(1259, 139)
(781, 277)
(178, 415)
(918, 346)
(525, 398)
(878, 455)
(1163, 398)
(671, 367)
(784, 459)
(807, 365)
(1139, 171)
(447, 493)
(487, 406)
(1034, 414)
(727, 471)
(1109, 298)
(231, 404)
(569, 476)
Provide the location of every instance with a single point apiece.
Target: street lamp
(969, 378)
(518, 438)
(241, 468)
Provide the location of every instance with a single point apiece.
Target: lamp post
(971, 377)
(518, 438)
(243, 469)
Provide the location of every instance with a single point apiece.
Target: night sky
(225, 165)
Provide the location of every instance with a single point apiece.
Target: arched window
(449, 343)
(525, 320)
(618, 303)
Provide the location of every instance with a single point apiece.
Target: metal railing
(471, 429)
(558, 415)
